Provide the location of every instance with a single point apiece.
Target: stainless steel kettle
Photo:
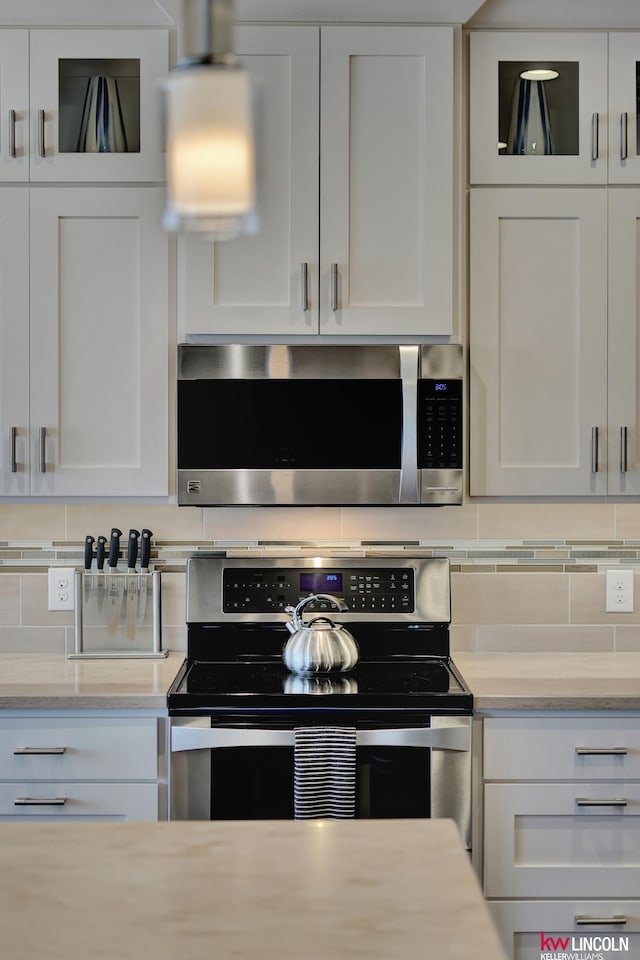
(319, 646)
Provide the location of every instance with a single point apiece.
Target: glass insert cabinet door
(95, 104)
(538, 108)
(624, 109)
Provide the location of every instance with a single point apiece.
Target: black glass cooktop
(428, 685)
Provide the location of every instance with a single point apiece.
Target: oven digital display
(320, 582)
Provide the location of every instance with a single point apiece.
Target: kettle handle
(297, 611)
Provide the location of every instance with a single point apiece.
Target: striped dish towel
(324, 778)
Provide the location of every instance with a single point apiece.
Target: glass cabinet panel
(99, 102)
(538, 104)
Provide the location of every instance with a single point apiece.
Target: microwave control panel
(440, 424)
(365, 590)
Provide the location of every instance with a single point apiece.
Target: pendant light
(210, 146)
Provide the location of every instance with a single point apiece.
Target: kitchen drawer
(548, 748)
(59, 800)
(90, 749)
(521, 924)
(548, 840)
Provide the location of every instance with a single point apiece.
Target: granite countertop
(552, 681)
(509, 681)
(260, 890)
(37, 681)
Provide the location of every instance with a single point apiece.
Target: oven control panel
(366, 589)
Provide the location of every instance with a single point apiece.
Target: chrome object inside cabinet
(308, 425)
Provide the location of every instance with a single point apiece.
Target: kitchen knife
(131, 582)
(88, 560)
(100, 556)
(113, 612)
(145, 554)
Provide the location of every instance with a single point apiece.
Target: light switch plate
(62, 588)
(619, 591)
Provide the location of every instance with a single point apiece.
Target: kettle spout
(290, 627)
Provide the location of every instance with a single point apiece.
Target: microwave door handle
(409, 356)
(209, 738)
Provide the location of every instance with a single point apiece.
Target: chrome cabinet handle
(304, 289)
(40, 801)
(592, 802)
(595, 135)
(601, 751)
(594, 449)
(42, 445)
(38, 751)
(12, 134)
(334, 287)
(623, 449)
(624, 148)
(581, 919)
(41, 148)
(14, 462)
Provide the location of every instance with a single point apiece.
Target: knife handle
(145, 549)
(100, 552)
(132, 550)
(114, 547)
(88, 551)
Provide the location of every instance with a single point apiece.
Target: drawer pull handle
(38, 751)
(582, 919)
(592, 802)
(40, 801)
(601, 751)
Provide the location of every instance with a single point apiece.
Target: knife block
(118, 615)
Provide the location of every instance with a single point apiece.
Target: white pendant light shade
(210, 150)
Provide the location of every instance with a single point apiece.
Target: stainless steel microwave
(302, 425)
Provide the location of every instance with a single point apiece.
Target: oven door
(240, 773)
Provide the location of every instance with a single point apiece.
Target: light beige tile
(9, 599)
(32, 640)
(34, 521)
(34, 598)
(272, 523)
(167, 522)
(443, 524)
(173, 600)
(552, 638)
(627, 638)
(627, 521)
(483, 598)
(588, 600)
(545, 521)
(462, 638)
(174, 638)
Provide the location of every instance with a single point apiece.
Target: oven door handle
(195, 737)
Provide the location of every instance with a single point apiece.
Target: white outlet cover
(619, 591)
(62, 588)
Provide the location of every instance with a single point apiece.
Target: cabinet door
(524, 925)
(14, 341)
(256, 284)
(99, 362)
(66, 801)
(624, 341)
(624, 108)
(538, 131)
(386, 169)
(538, 301)
(14, 105)
(63, 64)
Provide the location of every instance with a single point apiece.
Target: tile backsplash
(525, 577)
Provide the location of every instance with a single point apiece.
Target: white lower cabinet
(562, 831)
(82, 766)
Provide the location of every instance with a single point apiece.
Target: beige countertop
(37, 681)
(260, 890)
(552, 681)
(509, 681)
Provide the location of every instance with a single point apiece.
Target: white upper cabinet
(52, 80)
(624, 108)
(355, 191)
(524, 130)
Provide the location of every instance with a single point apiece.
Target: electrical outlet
(619, 591)
(62, 588)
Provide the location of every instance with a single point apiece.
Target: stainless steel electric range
(235, 706)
